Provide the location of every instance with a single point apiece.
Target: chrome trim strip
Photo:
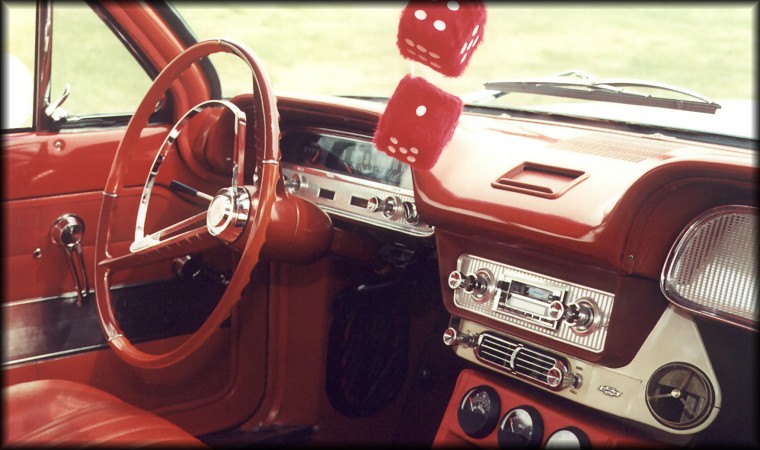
(44, 55)
(55, 354)
(46, 327)
(69, 295)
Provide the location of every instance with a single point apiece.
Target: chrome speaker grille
(712, 269)
(521, 360)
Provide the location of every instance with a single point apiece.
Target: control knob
(293, 183)
(410, 213)
(452, 338)
(582, 316)
(375, 204)
(560, 377)
(477, 284)
(391, 207)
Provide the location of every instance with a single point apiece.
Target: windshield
(349, 49)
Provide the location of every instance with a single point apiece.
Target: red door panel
(48, 175)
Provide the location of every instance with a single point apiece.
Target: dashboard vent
(519, 359)
(617, 147)
(680, 396)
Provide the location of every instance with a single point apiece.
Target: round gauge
(521, 427)
(479, 411)
(570, 437)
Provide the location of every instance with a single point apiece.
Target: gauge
(521, 427)
(479, 411)
(570, 437)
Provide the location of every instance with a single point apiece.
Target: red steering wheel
(240, 210)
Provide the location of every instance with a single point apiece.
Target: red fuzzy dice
(441, 35)
(418, 122)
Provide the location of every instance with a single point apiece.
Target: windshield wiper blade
(584, 86)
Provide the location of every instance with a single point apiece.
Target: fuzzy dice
(419, 120)
(441, 35)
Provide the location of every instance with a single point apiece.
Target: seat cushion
(47, 413)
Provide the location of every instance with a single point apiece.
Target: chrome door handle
(67, 232)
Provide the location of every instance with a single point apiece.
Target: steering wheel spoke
(159, 237)
(153, 250)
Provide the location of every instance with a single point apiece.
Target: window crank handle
(67, 232)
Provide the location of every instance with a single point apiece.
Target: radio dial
(375, 204)
(410, 213)
(583, 316)
(393, 208)
(479, 284)
(470, 283)
(556, 310)
(456, 279)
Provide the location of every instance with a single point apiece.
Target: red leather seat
(63, 413)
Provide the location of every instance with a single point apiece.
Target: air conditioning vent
(680, 396)
(518, 359)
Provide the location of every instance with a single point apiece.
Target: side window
(18, 63)
(105, 78)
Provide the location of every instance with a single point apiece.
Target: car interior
(281, 269)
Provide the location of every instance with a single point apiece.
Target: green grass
(343, 49)
(704, 48)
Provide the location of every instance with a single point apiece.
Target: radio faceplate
(566, 312)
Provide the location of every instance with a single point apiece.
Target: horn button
(228, 213)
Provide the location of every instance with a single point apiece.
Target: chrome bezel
(232, 221)
(667, 277)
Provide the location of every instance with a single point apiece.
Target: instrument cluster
(345, 175)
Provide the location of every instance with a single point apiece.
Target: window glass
(18, 63)
(104, 77)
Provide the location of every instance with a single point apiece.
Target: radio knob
(293, 184)
(456, 279)
(410, 213)
(477, 284)
(393, 208)
(582, 316)
(375, 204)
(452, 338)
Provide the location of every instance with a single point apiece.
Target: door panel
(38, 309)
(46, 335)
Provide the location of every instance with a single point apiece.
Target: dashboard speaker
(368, 347)
(680, 396)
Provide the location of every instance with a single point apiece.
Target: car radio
(561, 310)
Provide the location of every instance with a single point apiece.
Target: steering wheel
(238, 212)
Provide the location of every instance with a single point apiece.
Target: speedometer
(346, 155)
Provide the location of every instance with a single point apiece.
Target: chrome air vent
(526, 362)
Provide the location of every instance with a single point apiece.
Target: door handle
(67, 232)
